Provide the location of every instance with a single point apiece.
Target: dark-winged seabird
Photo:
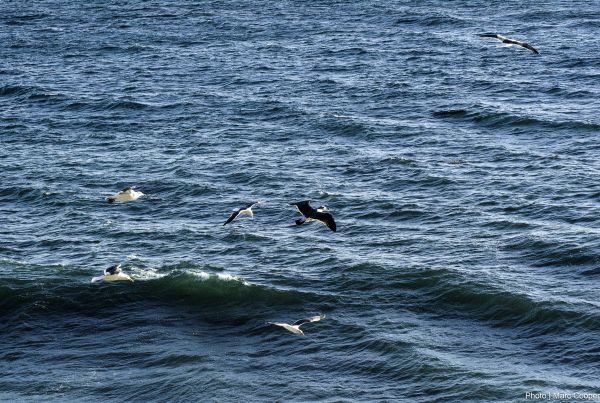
(509, 41)
(113, 273)
(127, 194)
(310, 214)
(242, 211)
(295, 327)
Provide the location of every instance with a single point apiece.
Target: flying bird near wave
(320, 209)
(295, 327)
(127, 194)
(113, 273)
(509, 41)
(241, 211)
(314, 214)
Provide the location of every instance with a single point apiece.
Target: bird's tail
(110, 199)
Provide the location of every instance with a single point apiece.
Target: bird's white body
(291, 328)
(247, 212)
(127, 195)
(112, 277)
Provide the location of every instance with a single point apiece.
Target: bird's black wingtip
(331, 225)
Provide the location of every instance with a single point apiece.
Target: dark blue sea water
(463, 174)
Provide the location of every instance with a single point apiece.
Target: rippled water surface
(463, 175)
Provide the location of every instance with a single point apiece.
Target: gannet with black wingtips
(314, 214)
(295, 327)
(509, 41)
(127, 194)
(242, 211)
(113, 273)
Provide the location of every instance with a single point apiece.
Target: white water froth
(139, 273)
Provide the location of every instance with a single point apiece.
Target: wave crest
(494, 118)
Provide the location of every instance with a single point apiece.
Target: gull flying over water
(241, 211)
(127, 194)
(314, 214)
(509, 41)
(113, 273)
(295, 327)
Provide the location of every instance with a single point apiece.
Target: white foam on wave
(134, 256)
(221, 276)
(139, 273)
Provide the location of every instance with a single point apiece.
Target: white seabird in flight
(295, 327)
(509, 41)
(241, 211)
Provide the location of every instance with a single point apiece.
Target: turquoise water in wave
(463, 176)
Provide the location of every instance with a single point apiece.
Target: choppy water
(463, 175)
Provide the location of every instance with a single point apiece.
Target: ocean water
(463, 175)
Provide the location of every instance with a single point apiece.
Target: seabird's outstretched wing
(492, 35)
(308, 320)
(244, 210)
(232, 216)
(528, 46)
(304, 208)
(327, 219)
